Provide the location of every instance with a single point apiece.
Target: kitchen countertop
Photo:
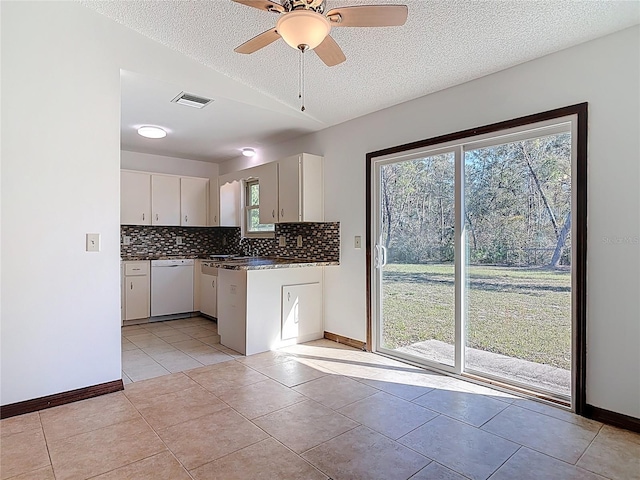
(265, 263)
(241, 263)
(133, 258)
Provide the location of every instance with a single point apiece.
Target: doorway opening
(477, 253)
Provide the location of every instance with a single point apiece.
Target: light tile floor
(314, 411)
(154, 349)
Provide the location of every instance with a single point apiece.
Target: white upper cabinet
(194, 197)
(300, 189)
(230, 212)
(153, 199)
(214, 203)
(135, 198)
(268, 179)
(165, 200)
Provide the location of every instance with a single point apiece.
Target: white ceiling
(443, 43)
(214, 133)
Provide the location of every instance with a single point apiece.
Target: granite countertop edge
(245, 264)
(280, 263)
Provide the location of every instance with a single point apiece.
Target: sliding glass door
(415, 255)
(472, 261)
(517, 214)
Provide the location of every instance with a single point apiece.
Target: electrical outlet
(299, 241)
(282, 241)
(93, 242)
(224, 241)
(178, 240)
(126, 240)
(358, 242)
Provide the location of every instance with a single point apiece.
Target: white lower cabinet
(301, 311)
(137, 291)
(252, 311)
(232, 309)
(208, 295)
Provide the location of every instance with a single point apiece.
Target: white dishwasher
(171, 286)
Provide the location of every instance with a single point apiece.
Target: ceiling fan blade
(258, 42)
(368, 16)
(266, 5)
(329, 52)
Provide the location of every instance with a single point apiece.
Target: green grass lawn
(520, 312)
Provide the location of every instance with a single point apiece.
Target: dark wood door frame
(579, 243)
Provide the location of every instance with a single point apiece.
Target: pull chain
(303, 48)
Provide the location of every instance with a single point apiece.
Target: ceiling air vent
(192, 100)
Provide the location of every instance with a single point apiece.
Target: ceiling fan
(304, 26)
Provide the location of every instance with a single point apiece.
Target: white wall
(60, 179)
(605, 73)
(60, 169)
(170, 165)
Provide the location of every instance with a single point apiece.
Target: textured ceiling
(443, 43)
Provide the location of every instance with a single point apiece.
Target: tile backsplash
(320, 241)
(154, 240)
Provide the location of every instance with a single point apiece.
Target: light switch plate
(126, 240)
(358, 241)
(282, 241)
(299, 241)
(93, 242)
(178, 240)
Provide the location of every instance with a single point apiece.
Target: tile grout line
(443, 466)
(509, 458)
(528, 446)
(159, 438)
(492, 417)
(64, 439)
(299, 455)
(46, 444)
(551, 416)
(585, 452)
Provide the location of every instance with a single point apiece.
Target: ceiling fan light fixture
(303, 27)
(152, 132)
(248, 152)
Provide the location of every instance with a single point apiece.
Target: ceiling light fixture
(152, 132)
(303, 29)
(248, 152)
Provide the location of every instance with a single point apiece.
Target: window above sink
(252, 228)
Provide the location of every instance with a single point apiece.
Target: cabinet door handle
(143, 216)
(131, 285)
(282, 212)
(273, 213)
(185, 219)
(213, 284)
(288, 296)
(156, 217)
(215, 218)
